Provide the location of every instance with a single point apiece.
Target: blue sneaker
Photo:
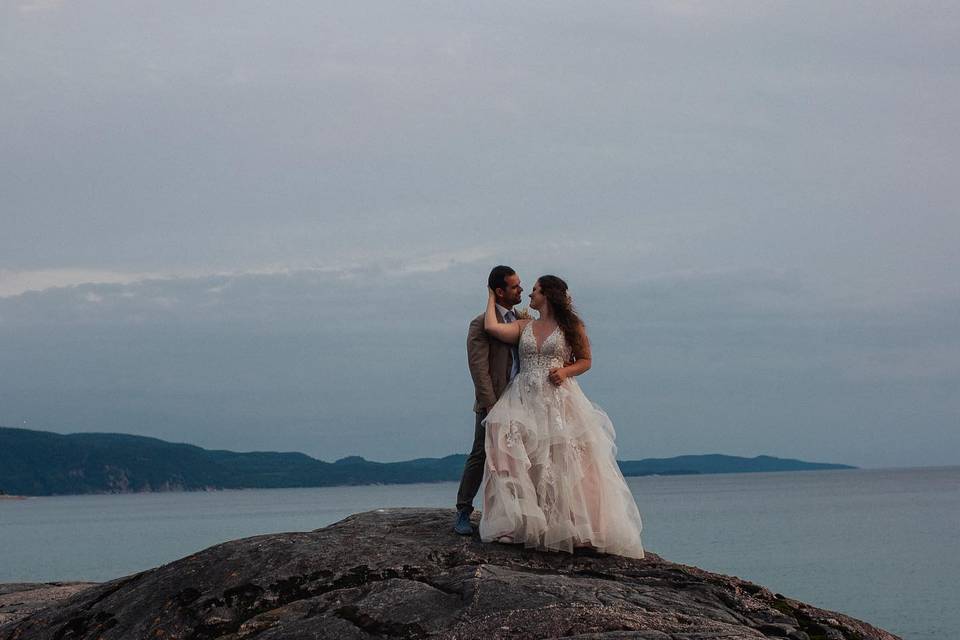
(462, 525)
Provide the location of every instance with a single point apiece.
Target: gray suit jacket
(491, 362)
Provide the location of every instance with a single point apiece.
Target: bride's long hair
(554, 290)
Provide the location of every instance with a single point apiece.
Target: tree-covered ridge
(42, 463)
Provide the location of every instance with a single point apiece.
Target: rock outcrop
(18, 600)
(403, 573)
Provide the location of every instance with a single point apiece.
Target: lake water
(880, 545)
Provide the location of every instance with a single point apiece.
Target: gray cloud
(756, 206)
(373, 362)
(246, 136)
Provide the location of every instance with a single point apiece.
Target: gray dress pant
(473, 468)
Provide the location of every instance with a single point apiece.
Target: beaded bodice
(553, 353)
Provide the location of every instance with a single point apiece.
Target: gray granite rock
(403, 573)
(17, 600)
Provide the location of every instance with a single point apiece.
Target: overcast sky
(252, 225)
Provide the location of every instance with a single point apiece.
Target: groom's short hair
(498, 277)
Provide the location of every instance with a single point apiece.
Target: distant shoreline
(42, 463)
(431, 482)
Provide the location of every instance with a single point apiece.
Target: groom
(492, 365)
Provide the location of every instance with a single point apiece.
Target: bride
(552, 480)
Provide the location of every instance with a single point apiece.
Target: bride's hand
(557, 376)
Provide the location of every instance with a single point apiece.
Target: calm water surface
(880, 545)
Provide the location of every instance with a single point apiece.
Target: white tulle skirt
(552, 480)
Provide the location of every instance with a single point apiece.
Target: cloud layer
(265, 227)
(373, 362)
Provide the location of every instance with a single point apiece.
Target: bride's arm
(581, 363)
(508, 332)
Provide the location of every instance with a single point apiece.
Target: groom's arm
(478, 358)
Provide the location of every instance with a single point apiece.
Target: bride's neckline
(539, 344)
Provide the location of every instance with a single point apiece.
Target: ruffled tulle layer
(552, 480)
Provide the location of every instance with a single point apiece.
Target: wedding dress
(551, 479)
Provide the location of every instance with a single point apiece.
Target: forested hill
(38, 463)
